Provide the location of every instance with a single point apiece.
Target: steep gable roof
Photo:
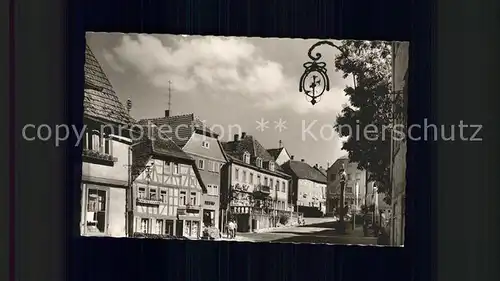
(155, 143)
(100, 100)
(302, 170)
(235, 150)
(275, 152)
(248, 144)
(180, 128)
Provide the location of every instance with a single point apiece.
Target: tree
(371, 105)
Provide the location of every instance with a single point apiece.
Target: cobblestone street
(320, 230)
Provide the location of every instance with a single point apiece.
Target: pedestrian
(231, 229)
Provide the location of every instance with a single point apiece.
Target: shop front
(189, 222)
(210, 211)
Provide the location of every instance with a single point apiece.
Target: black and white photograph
(244, 139)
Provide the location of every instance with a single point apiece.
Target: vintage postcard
(244, 139)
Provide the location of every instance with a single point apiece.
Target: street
(316, 230)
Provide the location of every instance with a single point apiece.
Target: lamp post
(341, 225)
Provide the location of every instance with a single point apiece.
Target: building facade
(203, 145)
(357, 187)
(255, 189)
(167, 190)
(308, 188)
(398, 152)
(105, 156)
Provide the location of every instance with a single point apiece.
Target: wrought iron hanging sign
(314, 82)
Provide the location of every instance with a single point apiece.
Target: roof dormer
(258, 162)
(271, 166)
(246, 157)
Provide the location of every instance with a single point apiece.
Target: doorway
(179, 227)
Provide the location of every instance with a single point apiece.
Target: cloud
(109, 57)
(221, 65)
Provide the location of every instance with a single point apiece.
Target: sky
(232, 83)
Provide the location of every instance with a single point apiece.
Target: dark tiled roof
(302, 170)
(275, 152)
(321, 170)
(278, 170)
(249, 144)
(100, 100)
(155, 143)
(180, 127)
(235, 150)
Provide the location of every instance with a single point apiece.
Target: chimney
(291, 157)
(280, 144)
(315, 165)
(236, 137)
(243, 135)
(167, 113)
(321, 167)
(301, 160)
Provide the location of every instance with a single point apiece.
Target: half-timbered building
(202, 144)
(167, 188)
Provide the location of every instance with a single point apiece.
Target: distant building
(356, 187)
(167, 188)
(398, 151)
(255, 188)
(203, 145)
(279, 154)
(308, 190)
(105, 156)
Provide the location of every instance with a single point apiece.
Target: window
(182, 198)
(271, 166)
(152, 194)
(244, 176)
(349, 177)
(201, 164)
(333, 177)
(217, 167)
(159, 226)
(251, 178)
(95, 141)
(193, 199)
(163, 196)
(348, 189)
(358, 176)
(277, 185)
(210, 166)
(167, 168)
(205, 144)
(236, 174)
(266, 182)
(176, 169)
(246, 157)
(96, 210)
(258, 162)
(259, 179)
(271, 184)
(141, 193)
(144, 225)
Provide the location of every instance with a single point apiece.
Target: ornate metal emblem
(314, 82)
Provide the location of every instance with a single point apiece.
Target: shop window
(96, 211)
